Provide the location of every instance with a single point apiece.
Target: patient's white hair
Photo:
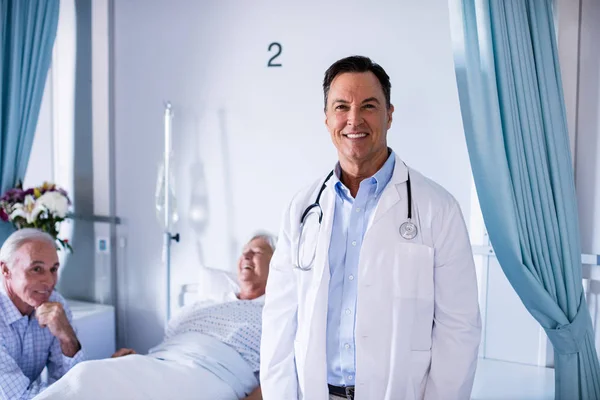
(17, 239)
(269, 238)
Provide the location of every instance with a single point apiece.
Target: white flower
(30, 209)
(55, 202)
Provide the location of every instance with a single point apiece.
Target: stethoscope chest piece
(408, 230)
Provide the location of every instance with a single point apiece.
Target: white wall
(588, 149)
(252, 135)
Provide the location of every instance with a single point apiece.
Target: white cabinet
(95, 327)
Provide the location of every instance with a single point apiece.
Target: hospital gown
(236, 323)
(210, 351)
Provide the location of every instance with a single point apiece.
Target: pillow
(213, 285)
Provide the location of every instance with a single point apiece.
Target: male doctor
(372, 292)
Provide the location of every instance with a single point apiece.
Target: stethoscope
(408, 230)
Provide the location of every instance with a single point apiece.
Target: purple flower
(3, 215)
(13, 195)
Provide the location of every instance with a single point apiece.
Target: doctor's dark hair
(357, 64)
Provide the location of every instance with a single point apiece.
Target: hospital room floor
(500, 380)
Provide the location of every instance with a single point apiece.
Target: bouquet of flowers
(43, 207)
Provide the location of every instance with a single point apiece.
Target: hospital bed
(165, 372)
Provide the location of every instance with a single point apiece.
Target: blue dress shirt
(350, 221)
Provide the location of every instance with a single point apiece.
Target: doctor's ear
(390, 111)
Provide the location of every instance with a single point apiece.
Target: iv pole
(167, 215)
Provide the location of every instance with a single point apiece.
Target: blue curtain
(515, 124)
(27, 29)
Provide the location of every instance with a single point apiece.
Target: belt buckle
(349, 393)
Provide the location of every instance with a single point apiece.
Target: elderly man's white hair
(269, 238)
(17, 239)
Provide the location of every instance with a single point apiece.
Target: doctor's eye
(341, 107)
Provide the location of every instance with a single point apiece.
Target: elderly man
(210, 350)
(372, 290)
(35, 321)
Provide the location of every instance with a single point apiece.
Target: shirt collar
(10, 312)
(383, 176)
(380, 179)
(340, 188)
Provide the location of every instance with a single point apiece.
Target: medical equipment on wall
(310, 223)
(165, 202)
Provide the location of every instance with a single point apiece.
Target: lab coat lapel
(392, 193)
(321, 263)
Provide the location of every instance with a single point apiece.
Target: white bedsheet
(180, 374)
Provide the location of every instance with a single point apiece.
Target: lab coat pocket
(414, 289)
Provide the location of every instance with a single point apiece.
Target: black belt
(346, 392)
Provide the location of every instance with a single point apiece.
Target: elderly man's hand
(123, 352)
(52, 315)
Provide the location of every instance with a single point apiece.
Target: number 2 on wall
(270, 64)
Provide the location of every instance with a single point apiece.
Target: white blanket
(207, 370)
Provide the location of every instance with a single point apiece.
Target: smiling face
(30, 279)
(253, 265)
(358, 119)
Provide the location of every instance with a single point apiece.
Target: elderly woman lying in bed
(210, 350)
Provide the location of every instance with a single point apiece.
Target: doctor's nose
(354, 117)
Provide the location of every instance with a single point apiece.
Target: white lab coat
(417, 315)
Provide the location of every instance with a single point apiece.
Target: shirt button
(348, 311)
(350, 377)
(351, 277)
(347, 346)
(354, 243)
(358, 209)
